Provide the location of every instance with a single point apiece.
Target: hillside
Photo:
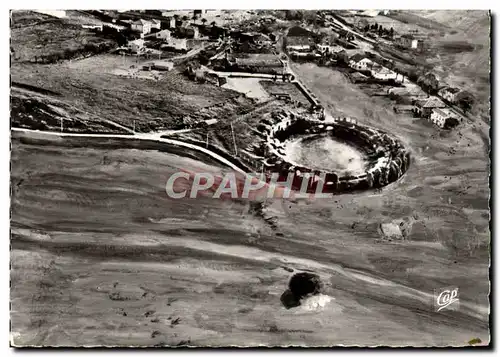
(462, 54)
(42, 38)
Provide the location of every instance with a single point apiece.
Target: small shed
(391, 231)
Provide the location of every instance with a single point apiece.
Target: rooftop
(382, 70)
(298, 31)
(357, 57)
(444, 112)
(432, 102)
(142, 22)
(298, 41)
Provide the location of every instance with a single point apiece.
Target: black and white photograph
(211, 178)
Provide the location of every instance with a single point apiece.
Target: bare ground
(121, 264)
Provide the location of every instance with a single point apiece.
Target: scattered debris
(116, 296)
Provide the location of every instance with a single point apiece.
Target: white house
(141, 26)
(384, 73)
(156, 24)
(298, 43)
(424, 107)
(163, 34)
(449, 94)
(136, 46)
(360, 63)
(439, 116)
(178, 44)
(408, 41)
(329, 48)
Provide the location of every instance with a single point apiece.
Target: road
(145, 136)
(357, 34)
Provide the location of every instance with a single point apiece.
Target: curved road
(152, 137)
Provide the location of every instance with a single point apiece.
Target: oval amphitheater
(377, 159)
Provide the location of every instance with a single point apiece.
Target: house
(439, 116)
(163, 34)
(360, 62)
(383, 73)
(424, 107)
(327, 48)
(136, 46)
(176, 44)
(141, 26)
(403, 109)
(408, 41)
(299, 44)
(155, 24)
(299, 39)
(391, 230)
(163, 65)
(449, 94)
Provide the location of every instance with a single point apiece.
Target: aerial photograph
(250, 178)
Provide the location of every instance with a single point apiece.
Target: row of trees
(382, 31)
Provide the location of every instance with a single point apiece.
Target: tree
(391, 32)
(213, 23)
(184, 18)
(428, 82)
(204, 21)
(294, 15)
(465, 101)
(450, 123)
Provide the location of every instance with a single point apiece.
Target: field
(462, 56)
(41, 37)
(93, 87)
(251, 87)
(325, 154)
(119, 264)
(286, 88)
